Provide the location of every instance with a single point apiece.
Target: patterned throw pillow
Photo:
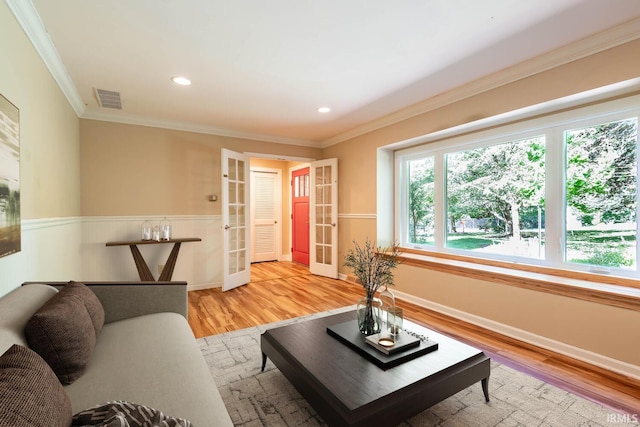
(64, 330)
(125, 414)
(30, 393)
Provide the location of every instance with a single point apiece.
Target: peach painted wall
(137, 170)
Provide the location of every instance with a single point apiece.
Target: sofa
(137, 347)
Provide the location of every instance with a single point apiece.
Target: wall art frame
(10, 228)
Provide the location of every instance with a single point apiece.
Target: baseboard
(596, 359)
(202, 286)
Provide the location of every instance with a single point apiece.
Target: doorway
(311, 197)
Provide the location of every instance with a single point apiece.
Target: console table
(141, 264)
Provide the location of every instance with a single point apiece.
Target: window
(421, 201)
(559, 191)
(601, 194)
(493, 195)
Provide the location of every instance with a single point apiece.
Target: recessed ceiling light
(323, 109)
(182, 81)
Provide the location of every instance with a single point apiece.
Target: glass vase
(369, 310)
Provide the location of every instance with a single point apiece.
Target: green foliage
(601, 172)
(421, 196)
(606, 248)
(605, 259)
(470, 243)
(598, 236)
(496, 182)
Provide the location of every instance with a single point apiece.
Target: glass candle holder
(146, 231)
(387, 298)
(165, 229)
(394, 320)
(386, 340)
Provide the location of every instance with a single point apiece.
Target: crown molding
(28, 18)
(593, 44)
(190, 127)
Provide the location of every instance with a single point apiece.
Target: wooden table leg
(485, 388)
(167, 271)
(141, 265)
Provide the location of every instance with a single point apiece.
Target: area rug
(254, 398)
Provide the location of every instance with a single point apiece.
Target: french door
(323, 215)
(235, 215)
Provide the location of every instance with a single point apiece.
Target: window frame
(551, 126)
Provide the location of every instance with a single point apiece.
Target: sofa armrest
(122, 300)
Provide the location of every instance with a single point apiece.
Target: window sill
(610, 290)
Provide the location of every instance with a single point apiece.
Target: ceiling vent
(109, 99)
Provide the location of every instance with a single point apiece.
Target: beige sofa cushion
(151, 360)
(31, 395)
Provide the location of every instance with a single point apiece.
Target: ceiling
(260, 69)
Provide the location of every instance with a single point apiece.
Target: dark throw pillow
(31, 395)
(91, 303)
(64, 330)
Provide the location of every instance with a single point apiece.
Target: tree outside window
(491, 192)
(601, 194)
(421, 201)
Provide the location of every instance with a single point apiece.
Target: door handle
(333, 224)
(226, 227)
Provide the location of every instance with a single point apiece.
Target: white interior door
(235, 214)
(323, 215)
(266, 213)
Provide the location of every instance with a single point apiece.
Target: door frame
(283, 158)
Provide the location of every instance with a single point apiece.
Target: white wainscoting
(51, 251)
(199, 263)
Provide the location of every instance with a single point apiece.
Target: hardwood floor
(284, 290)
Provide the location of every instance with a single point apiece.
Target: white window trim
(551, 125)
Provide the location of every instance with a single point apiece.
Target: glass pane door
(234, 217)
(324, 221)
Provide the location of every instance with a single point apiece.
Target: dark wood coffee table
(346, 389)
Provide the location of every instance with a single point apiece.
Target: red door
(300, 216)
